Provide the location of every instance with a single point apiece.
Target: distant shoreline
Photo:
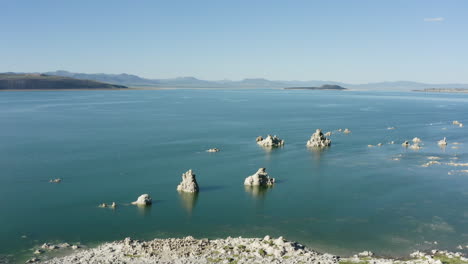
(442, 90)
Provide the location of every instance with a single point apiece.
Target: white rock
(365, 254)
(405, 144)
(213, 150)
(270, 141)
(318, 140)
(189, 183)
(346, 131)
(260, 178)
(442, 142)
(416, 140)
(58, 180)
(415, 146)
(143, 199)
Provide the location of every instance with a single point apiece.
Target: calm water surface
(115, 145)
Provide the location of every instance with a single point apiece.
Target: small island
(323, 87)
(14, 81)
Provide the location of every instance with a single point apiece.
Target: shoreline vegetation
(228, 250)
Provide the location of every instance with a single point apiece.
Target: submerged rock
(260, 178)
(189, 183)
(143, 199)
(103, 205)
(318, 139)
(58, 180)
(270, 141)
(329, 133)
(442, 142)
(346, 131)
(456, 122)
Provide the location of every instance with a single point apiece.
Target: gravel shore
(231, 250)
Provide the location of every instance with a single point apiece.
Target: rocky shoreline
(231, 250)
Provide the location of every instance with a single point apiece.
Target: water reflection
(144, 210)
(269, 151)
(258, 192)
(317, 153)
(188, 201)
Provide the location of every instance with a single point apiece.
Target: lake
(116, 145)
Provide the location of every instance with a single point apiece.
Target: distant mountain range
(191, 82)
(14, 81)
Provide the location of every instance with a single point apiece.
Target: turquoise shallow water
(115, 145)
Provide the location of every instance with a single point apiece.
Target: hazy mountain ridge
(192, 82)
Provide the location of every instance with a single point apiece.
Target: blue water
(115, 145)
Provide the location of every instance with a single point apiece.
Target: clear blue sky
(347, 40)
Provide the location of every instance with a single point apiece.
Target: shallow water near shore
(115, 145)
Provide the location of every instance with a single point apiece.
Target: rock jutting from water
(346, 131)
(58, 180)
(213, 150)
(189, 183)
(416, 140)
(405, 144)
(442, 142)
(143, 200)
(270, 141)
(318, 139)
(260, 178)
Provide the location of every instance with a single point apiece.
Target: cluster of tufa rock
(318, 139)
(189, 183)
(270, 141)
(260, 178)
